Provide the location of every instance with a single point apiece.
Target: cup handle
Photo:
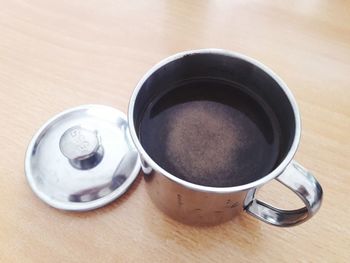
(301, 182)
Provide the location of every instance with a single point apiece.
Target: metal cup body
(193, 206)
(198, 204)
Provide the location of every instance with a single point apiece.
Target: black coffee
(212, 133)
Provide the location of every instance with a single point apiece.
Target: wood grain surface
(58, 54)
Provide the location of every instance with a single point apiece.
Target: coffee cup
(211, 128)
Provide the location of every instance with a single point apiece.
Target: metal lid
(82, 158)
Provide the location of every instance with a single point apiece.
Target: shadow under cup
(214, 120)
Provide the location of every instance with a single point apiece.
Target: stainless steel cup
(198, 204)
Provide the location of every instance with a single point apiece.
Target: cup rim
(273, 174)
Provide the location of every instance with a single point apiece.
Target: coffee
(211, 132)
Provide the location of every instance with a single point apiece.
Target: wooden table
(58, 54)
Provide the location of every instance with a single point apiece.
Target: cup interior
(247, 73)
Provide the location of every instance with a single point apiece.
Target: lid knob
(82, 147)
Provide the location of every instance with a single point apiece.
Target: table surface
(58, 54)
